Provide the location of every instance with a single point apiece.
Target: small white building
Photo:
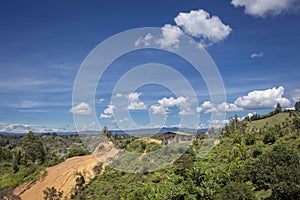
(290, 109)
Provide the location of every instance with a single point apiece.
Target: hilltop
(284, 119)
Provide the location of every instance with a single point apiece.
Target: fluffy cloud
(170, 36)
(144, 41)
(257, 55)
(199, 24)
(24, 128)
(296, 95)
(158, 110)
(137, 105)
(217, 123)
(262, 8)
(255, 100)
(134, 96)
(108, 112)
(208, 107)
(163, 106)
(134, 102)
(205, 106)
(263, 99)
(169, 102)
(82, 109)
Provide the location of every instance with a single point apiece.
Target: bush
(279, 171)
(256, 152)
(250, 139)
(237, 190)
(269, 138)
(78, 151)
(52, 194)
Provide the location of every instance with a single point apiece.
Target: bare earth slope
(63, 176)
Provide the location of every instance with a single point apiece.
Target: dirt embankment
(63, 176)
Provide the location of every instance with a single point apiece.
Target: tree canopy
(33, 148)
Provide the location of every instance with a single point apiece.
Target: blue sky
(43, 44)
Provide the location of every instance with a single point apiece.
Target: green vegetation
(246, 164)
(257, 159)
(141, 146)
(24, 158)
(297, 106)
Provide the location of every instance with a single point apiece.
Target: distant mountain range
(131, 132)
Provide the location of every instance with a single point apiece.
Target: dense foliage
(251, 160)
(244, 165)
(23, 157)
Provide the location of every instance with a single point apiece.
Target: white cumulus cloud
(218, 123)
(262, 8)
(165, 103)
(108, 112)
(134, 102)
(296, 95)
(208, 107)
(170, 36)
(24, 128)
(159, 110)
(254, 100)
(263, 99)
(199, 24)
(81, 109)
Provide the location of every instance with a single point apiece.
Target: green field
(284, 119)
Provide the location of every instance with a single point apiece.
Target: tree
(237, 190)
(297, 106)
(106, 132)
(279, 171)
(296, 123)
(80, 181)
(277, 109)
(269, 138)
(33, 148)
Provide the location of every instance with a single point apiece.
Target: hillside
(251, 160)
(284, 119)
(63, 177)
(252, 164)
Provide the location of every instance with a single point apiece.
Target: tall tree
(106, 132)
(33, 148)
(278, 109)
(297, 106)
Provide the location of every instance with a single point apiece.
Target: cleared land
(63, 176)
(277, 119)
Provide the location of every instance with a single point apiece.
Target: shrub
(52, 194)
(279, 171)
(250, 139)
(237, 190)
(77, 151)
(269, 138)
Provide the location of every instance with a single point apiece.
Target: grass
(270, 121)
